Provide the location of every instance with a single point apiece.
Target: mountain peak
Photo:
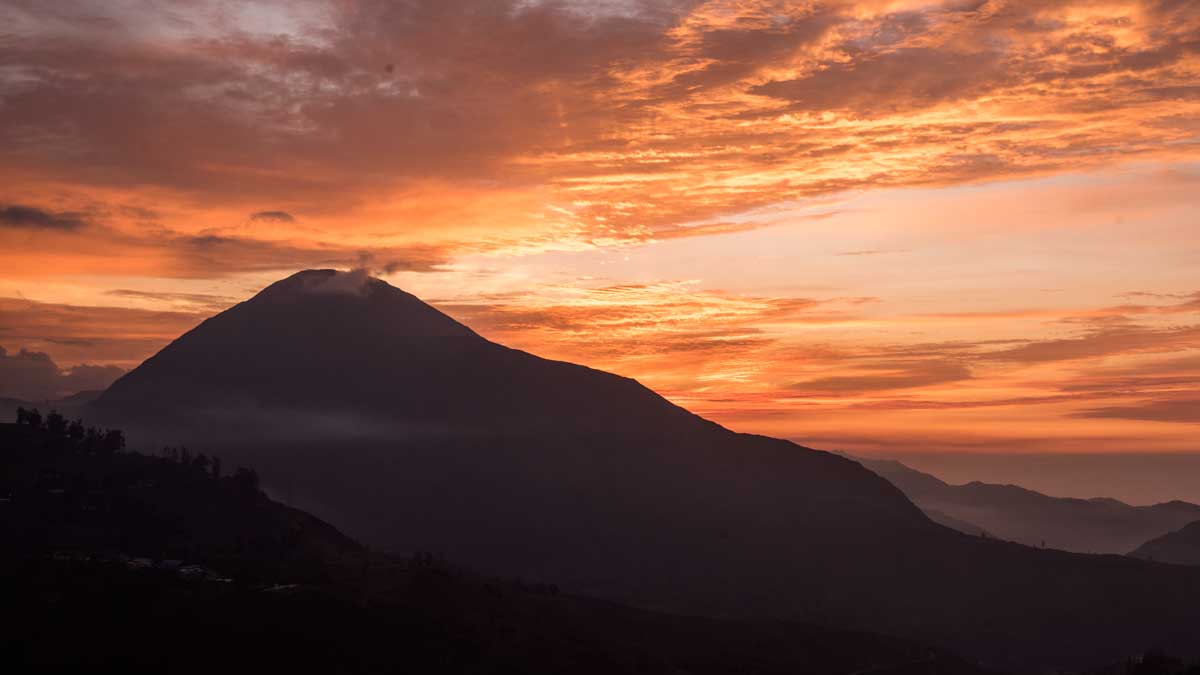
(370, 304)
(345, 342)
(324, 281)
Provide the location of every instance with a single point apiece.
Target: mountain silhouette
(1181, 547)
(323, 340)
(1100, 525)
(411, 432)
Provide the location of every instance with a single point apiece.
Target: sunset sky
(885, 226)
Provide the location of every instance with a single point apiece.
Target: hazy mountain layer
(1181, 547)
(1014, 513)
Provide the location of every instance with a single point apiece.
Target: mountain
(102, 544)
(1100, 525)
(325, 342)
(76, 400)
(1181, 547)
(411, 432)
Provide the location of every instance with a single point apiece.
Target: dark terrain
(120, 562)
(1011, 512)
(411, 432)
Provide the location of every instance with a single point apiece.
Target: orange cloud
(628, 125)
(178, 156)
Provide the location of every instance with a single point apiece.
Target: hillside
(137, 564)
(1181, 547)
(411, 432)
(1010, 512)
(77, 493)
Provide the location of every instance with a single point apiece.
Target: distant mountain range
(68, 404)
(1010, 512)
(1181, 547)
(411, 432)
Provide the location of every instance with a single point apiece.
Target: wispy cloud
(198, 301)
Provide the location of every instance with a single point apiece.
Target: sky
(884, 227)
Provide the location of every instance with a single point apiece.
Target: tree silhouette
(114, 441)
(91, 440)
(56, 423)
(246, 478)
(34, 418)
(75, 430)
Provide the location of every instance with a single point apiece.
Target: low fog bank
(1135, 478)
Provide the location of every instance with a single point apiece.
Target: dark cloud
(205, 255)
(73, 334)
(273, 217)
(197, 300)
(1121, 339)
(1186, 303)
(924, 404)
(735, 52)
(899, 80)
(1158, 296)
(1185, 410)
(887, 376)
(33, 376)
(169, 253)
(31, 217)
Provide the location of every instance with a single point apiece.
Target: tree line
(95, 441)
(92, 439)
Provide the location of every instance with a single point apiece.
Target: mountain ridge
(1016, 513)
(1181, 547)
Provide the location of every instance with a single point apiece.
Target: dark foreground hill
(1014, 513)
(411, 432)
(1181, 547)
(119, 562)
(77, 494)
